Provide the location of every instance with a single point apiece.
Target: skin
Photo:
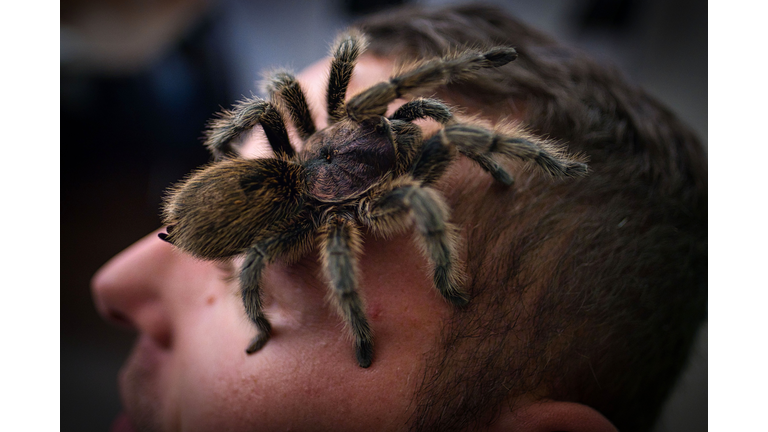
(189, 371)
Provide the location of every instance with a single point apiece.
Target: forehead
(314, 81)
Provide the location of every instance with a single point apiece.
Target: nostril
(128, 291)
(164, 339)
(120, 319)
(159, 331)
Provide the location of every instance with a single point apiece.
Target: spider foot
(364, 351)
(448, 281)
(491, 166)
(503, 177)
(257, 343)
(576, 169)
(457, 298)
(500, 56)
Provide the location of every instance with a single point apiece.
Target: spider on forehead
(362, 170)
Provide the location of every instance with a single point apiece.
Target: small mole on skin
(210, 300)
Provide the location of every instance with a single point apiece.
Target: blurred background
(140, 78)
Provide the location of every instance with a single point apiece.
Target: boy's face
(189, 369)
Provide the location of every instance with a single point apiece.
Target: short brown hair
(588, 291)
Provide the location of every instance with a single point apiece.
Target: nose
(129, 289)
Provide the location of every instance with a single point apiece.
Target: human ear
(553, 416)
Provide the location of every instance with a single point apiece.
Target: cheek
(306, 377)
(209, 359)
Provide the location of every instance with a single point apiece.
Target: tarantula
(363, 170)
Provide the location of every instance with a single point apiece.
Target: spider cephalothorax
(364, 170)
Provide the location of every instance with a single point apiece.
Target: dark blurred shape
(123, 37)
(363, 7)
(131, 123)
(607, 14)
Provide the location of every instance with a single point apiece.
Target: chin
(140, 394)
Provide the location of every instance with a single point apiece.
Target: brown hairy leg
(407, 202)
(340, 245)
(283, 86)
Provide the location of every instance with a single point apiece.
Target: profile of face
(189, 370)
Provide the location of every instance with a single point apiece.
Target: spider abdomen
(223, 208)
(346, 159)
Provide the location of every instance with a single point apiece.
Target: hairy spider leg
(244, 116)
(282, 85)
(432, 150)
(374, 101)
(423, 108)
(474, 141)
(437, 152)
(340, 245)
(290, 242)
(345, 53)
(432, 160)
(250, 276)
(408, 135)
(407, 201)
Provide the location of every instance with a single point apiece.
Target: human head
(605, 276)
(536, 323)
